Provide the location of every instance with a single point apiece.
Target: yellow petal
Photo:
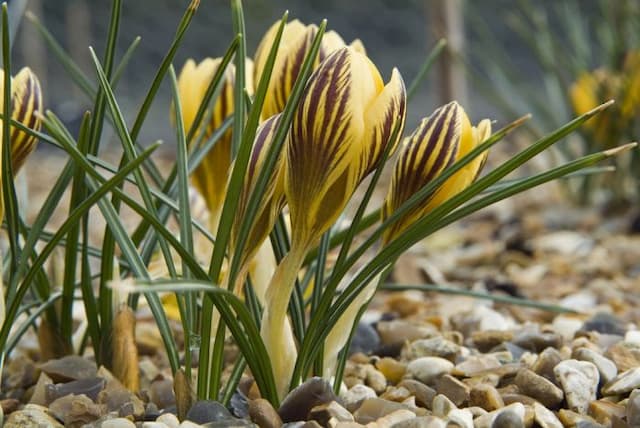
(331, 42)
(295, 43)
(192, 83)
(358, 46)
(583, 93)
(329, 140)
(381, 117)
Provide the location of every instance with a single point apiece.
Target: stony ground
(423, 359)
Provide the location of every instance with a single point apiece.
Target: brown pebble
(76, 410)
(263, 414)
(453, 389)
(485, 396)
(623, 356)
(569, 418)
(375, 379)
(488, 339)
(397, 394)
(391, 368)
(510, 398)
(403, 304)
(72, 367)
(9, 405)
(328, 413)
(603, 411)
(423, 393)
(544, 365)
(536, 386)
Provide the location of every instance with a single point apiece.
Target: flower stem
(276, 330)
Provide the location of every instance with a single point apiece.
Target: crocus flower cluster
(341, 128)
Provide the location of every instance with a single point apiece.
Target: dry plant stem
(184, 394)
(125, 352)
(276, 329)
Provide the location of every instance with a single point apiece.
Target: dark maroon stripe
(418, 175)
(337, 91)
(445, 157)
(264, 134)
(299, 59)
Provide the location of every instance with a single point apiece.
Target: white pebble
(427, 369)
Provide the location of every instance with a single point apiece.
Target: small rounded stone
(428, 369)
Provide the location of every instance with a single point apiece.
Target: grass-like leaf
(9, 198)
(78, 193)
(458, 291)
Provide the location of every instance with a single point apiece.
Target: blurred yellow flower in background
(210, 177)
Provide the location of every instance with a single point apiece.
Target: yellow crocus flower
(439, 141)
(339, 131)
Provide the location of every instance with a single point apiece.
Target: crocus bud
(210, 178)
(271, 201)
(26, 100)
(340, 130)
(295, 43)
(439, 141)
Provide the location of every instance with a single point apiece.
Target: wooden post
(447, 20)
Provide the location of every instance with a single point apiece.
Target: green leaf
(9, 198)
(458, 291)
(78, 193)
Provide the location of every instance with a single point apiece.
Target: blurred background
(504, 58)
(395, 32)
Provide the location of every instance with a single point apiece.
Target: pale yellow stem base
(337, 339)
(276, 330)
(261, 269)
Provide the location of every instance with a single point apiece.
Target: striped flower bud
(295, 43)
(26, 100)
(272, 200)
(210, 178)
(439, 141)
(338, 134)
